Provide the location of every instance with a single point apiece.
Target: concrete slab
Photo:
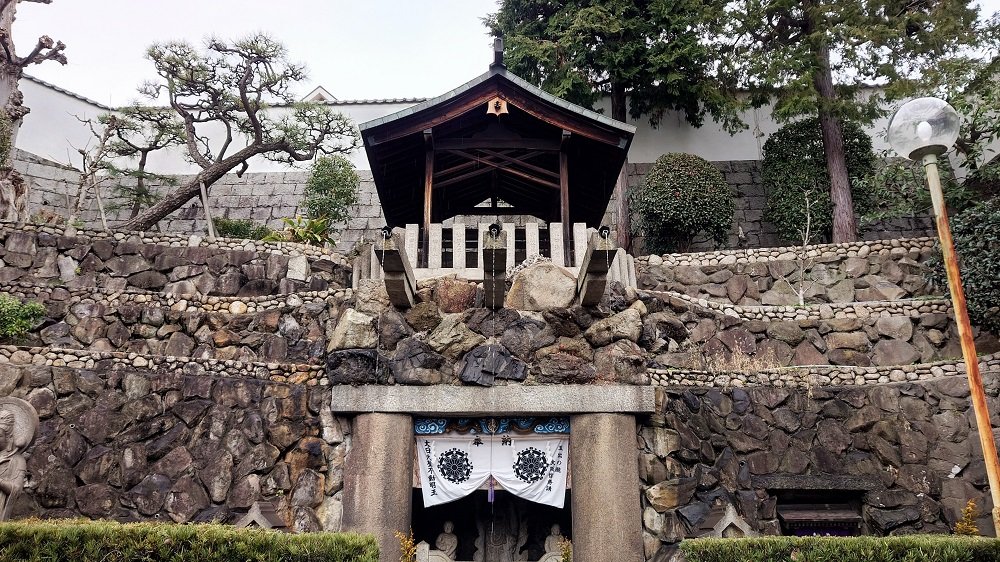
(450, 400)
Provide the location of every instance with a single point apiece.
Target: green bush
(100, 541)
(795, 178)
(17, 317)
(331, 190)
(681, 197)
(911, 548)
(976, 231)
(240, 228)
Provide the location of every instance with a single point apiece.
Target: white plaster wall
(52, 130)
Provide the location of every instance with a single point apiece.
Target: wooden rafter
(506, 167)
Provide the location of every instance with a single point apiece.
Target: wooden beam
(567, 228)
(520, 161)
(428, 191)
(506, 168)
(543, 145)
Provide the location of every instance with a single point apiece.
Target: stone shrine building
(493, 373)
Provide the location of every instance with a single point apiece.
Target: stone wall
(860, 272)
(269, 197)
(132, 444)
(906, 453)
(181, 267)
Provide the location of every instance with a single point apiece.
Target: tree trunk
(13, 189)
(624, 227)
(844, 224)
(178, 197)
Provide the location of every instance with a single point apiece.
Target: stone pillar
(378, 479)
(607, 514)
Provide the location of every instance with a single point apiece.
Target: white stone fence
(458, 250)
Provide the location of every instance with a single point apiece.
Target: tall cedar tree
(647, 56)
(814, 57)
(229, 87)
(13, 190)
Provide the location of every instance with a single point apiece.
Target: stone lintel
(815, 482)
(450, 400)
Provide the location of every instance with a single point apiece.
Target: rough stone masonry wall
(886, 270)
(907, 452)
(177, 265)
(117, 442)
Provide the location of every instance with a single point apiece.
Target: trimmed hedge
(103, 541)
(910, 548)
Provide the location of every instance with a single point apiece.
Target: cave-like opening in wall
(492, 489)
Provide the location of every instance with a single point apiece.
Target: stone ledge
(206, 303)
(820, 375)
(752, 255)
(825, 311)
(310, 375)
(188, 240)
(510, 399)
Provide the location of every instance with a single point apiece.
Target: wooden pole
(208, 212)
(977, 394)
(100, 202)
(428, 192)
(567, 228)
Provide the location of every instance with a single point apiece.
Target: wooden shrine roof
(478, 156)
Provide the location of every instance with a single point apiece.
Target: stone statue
(447, 542)
(501, 539)
(18, 424)
(553, 540)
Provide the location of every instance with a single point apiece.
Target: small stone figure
(447, 542)
(552, 542)
(18, 423)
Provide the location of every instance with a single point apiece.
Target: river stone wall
(131, 444)
(907, 453)
(885, 270)
(181, 266)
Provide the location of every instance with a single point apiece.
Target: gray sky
(355, 49)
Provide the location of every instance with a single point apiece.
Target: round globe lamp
(923, 129)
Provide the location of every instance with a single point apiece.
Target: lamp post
(922, 129)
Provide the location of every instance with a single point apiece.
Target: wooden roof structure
(496, 145)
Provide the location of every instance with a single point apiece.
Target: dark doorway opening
(473, 516)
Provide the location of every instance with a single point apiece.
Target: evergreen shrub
(976, 231)
(331, 190)
(104, 541)
(908, 548)
(681, 197)
(794, 172)
(16, 317)
(240, 228)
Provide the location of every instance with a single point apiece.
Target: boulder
(788, 332)
(452, 338)
(149, 495)
(354, 330)
(423, 316)
(622, 362)
(414, 362)
(298, 268)
(895, 327)
(541, 286)
(894, 352)
(671, 494)
(454, 295)
(627, 324)
(149, 280)
(353, 366)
